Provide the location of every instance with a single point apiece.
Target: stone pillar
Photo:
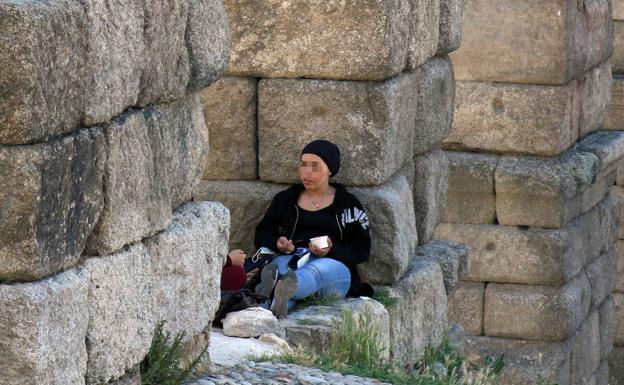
(374, 78)
(102, 141)
(531, 169)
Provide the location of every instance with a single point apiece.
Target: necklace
(317, 204)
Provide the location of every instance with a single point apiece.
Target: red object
(232, 277)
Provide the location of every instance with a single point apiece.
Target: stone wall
(102, 141)
(532, 169)
(375, 78)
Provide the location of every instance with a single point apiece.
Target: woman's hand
(237, 256)
(285, 245)
(317, 251)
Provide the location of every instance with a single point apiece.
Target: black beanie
(327, 151)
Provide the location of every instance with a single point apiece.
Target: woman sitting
(312, 209)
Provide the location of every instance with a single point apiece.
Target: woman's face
(313, 172)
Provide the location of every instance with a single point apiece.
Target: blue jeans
(325, 276)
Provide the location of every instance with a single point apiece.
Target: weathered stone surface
(311, 326)
(451, 12)
(187, 259)
(585, 350)
(619, 262)
(230, 111)
(50, 201)
(251, 322)
(392, 230)
(465, 307)
(155, 158)
(121, 318)
(41, 92)
(608, 146)
(471, 196)
(616, 364)
(545, 313)
(574, 37)
(618, 10)
(331, 39)
(606, 314)
(602, 373)
(133, 377)
(614, 119)
(618, 326)
(452, 258)
(617, 60)
(525, 361)
(371, 122)
(532, 256)
(601, 274)
(435, 100)
(609, 211)
(595, 88)
(42, 330)
(543, 192)
(123, 55)
(420, 315)
(431, 171)
(514, 118)
(247, 202)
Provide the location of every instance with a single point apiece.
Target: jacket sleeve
(356, 248)
(267, 230)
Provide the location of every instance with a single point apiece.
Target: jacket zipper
(339, 228)
(292, 234)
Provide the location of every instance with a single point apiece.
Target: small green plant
(542, 381)
(355, 348)
(383, 296)
(162, 365)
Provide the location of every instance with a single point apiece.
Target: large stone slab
(50, 201)
(331, 39)
(230, 111)
(616, 364)
(155, 158)
(451, 12)
(617, 60)
(525, 361)
(614, 119)
(187, 259)
(420, 315)
(585, 350)
(465, 307)
(514, 118)
(543, 192)
(595, 88)
(452, 258)
(435, 101)
(121, 316)
(572, 38)
(42, 330)
(123, 54)
(618, 326)
(247, 202)
(533, 255)
(251, 322)
(431, 174)
(544, 313)
(371, 122)
(602, 274)
(41, 92)
(392, 230)
(311, 327)
(471, 197)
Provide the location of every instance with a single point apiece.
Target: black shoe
(268, 278)
(284, 290)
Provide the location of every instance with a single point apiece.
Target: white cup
(320, 242)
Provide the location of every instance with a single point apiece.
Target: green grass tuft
(383, 296)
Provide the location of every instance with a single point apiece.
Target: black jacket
(352, 248)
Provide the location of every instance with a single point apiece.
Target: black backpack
(235, 300)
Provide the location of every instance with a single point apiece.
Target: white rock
(251, 322)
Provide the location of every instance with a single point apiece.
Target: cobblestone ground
(268, 373)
